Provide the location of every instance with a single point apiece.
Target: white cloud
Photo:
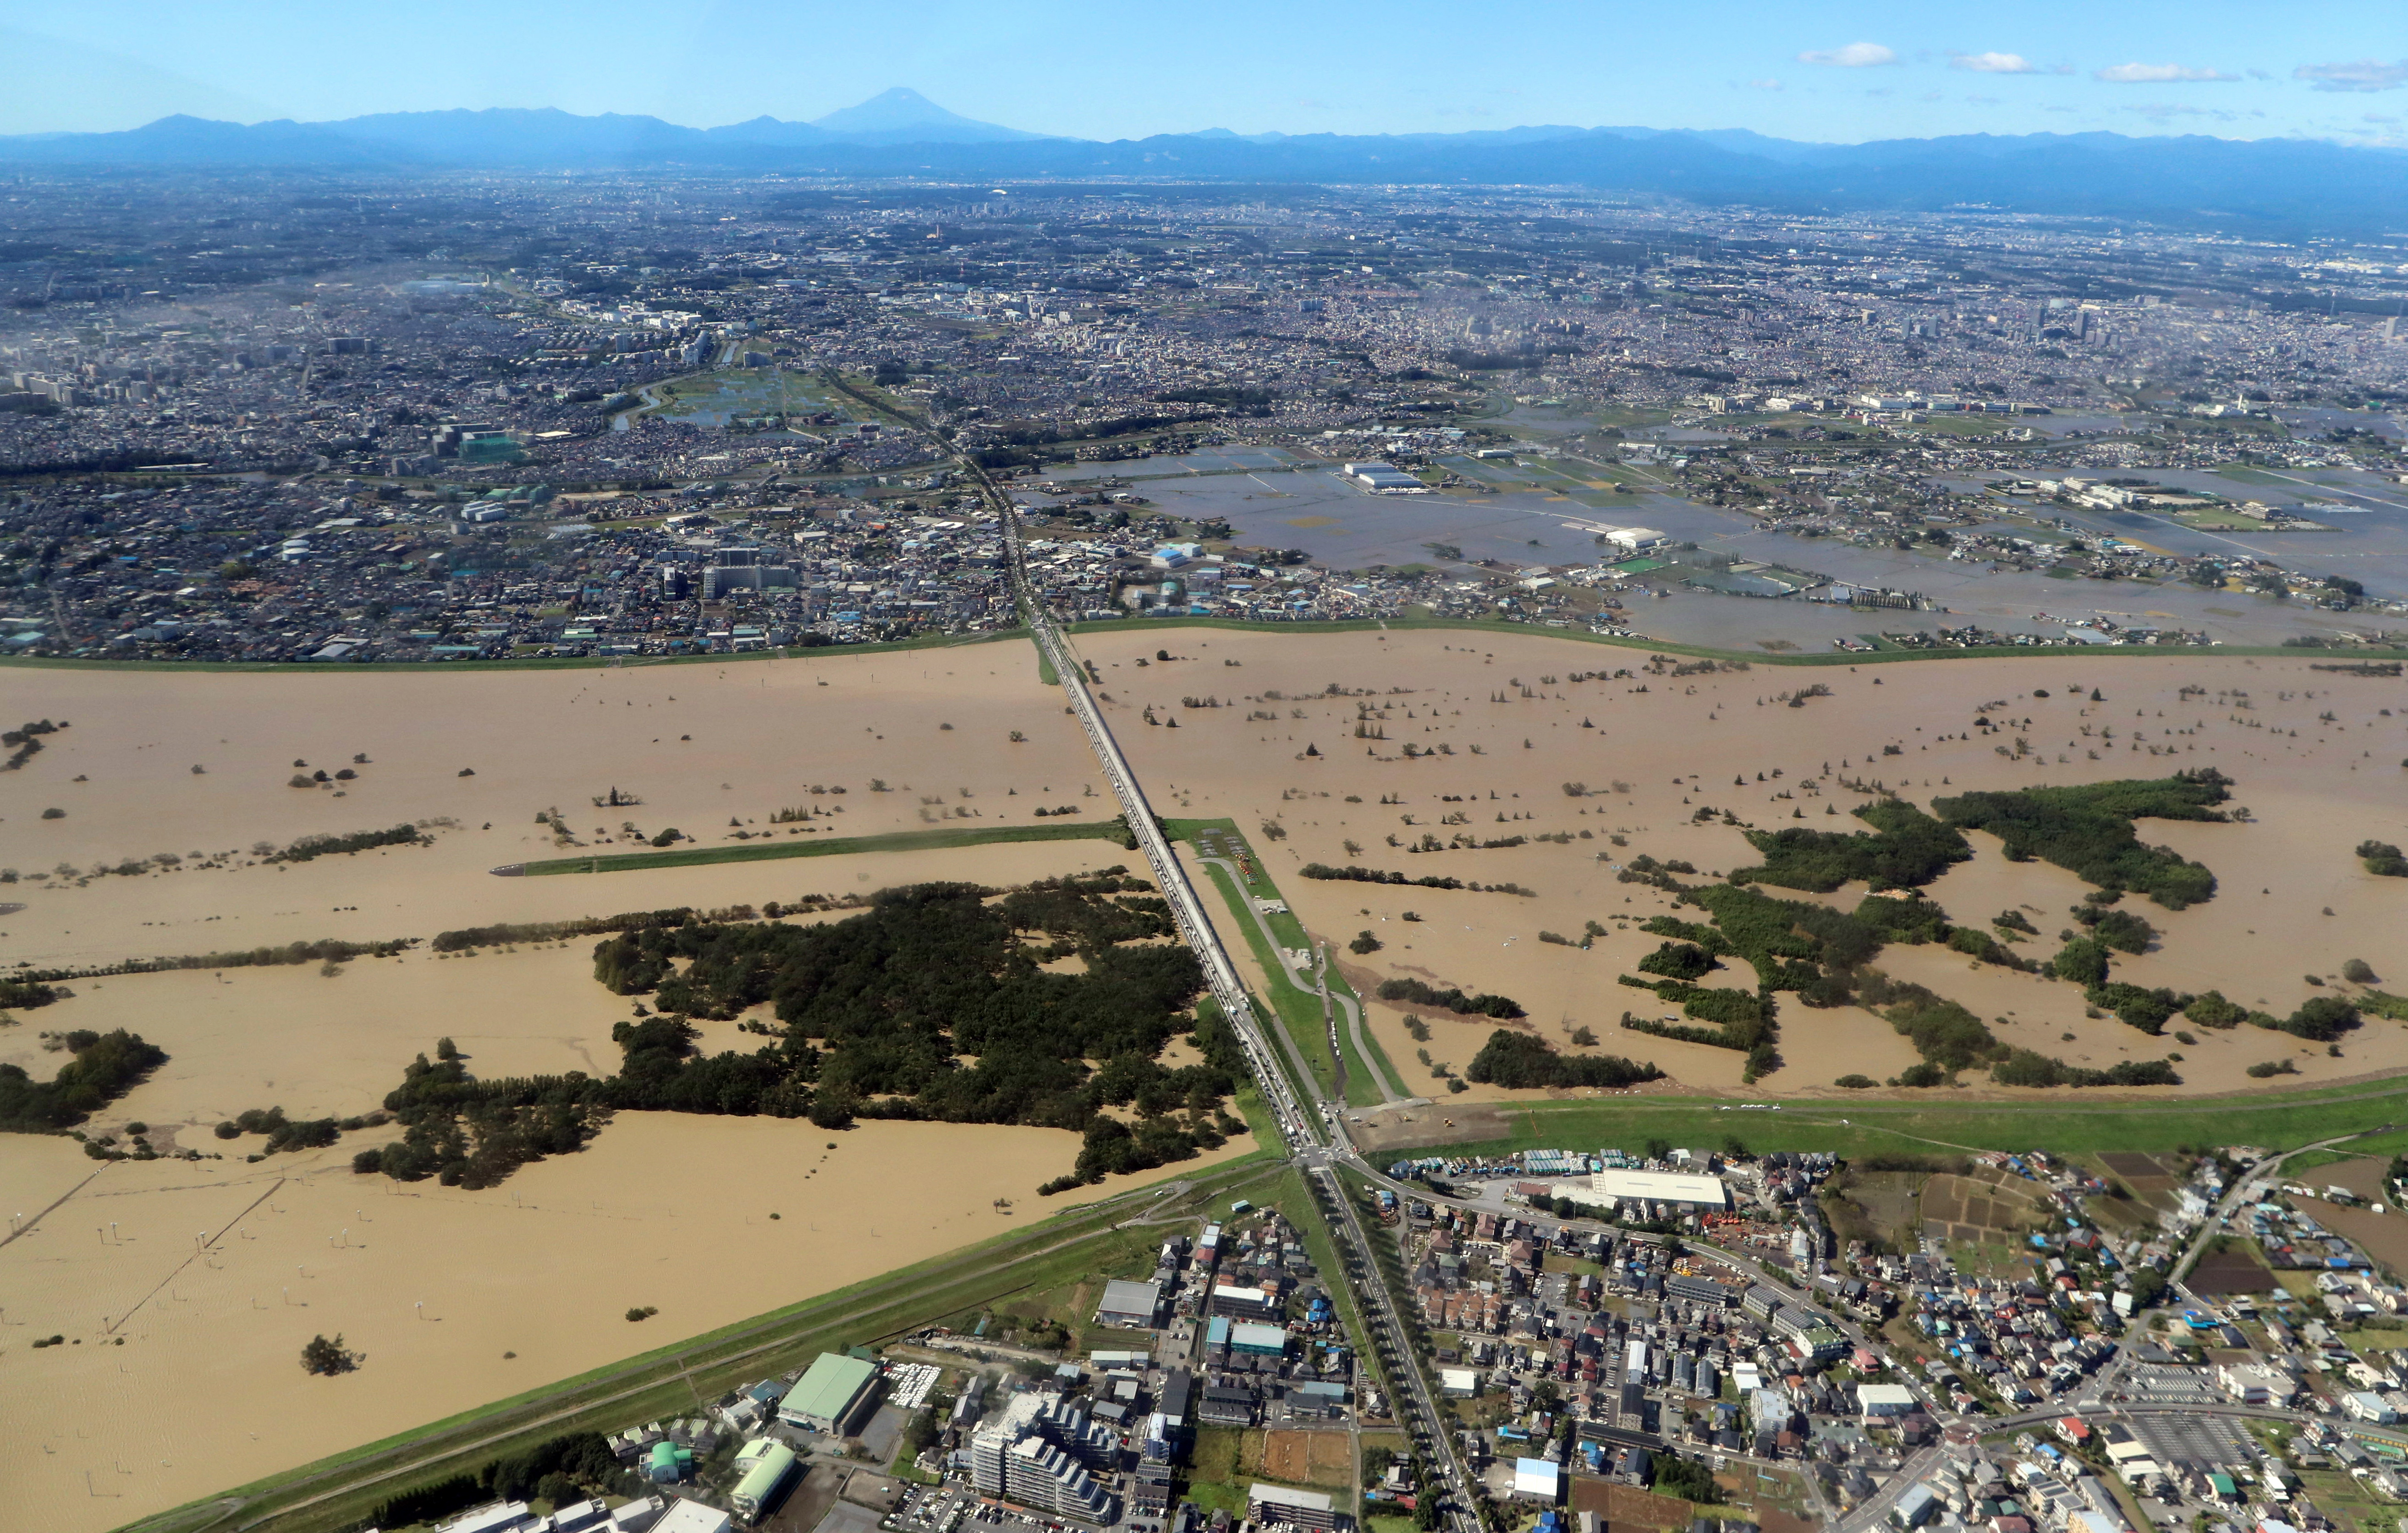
(2158, 74)
(1993, 64)
(2363, 74)
(2160, 111)
(1853, 56)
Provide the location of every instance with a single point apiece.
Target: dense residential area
(425, 424)
(2113, 1343)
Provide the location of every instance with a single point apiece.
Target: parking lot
(954, 1509)
(2211, 1442)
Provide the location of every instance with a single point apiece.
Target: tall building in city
(1037, 1453)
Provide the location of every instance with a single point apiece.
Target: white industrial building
(1876, 1401)
(693, 1517)
(1383, 478)
(1537, 1480)
(1674, 1187)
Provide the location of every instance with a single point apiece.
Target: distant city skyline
(1830, 72)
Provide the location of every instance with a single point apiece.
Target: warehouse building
(1878, 1402)
(1677, 1189)
(833, 1396)
(1243, 1303)
(1249, 1339)
(684, 1516)
(1383, 478)
(1130, 1306)
(764, 1462)
(1537, 1480)
(1696, 1290)
(1269, 1506)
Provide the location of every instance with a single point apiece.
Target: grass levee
(763, 851)
(1892, 1126)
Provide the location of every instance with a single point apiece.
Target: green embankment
(1940, 1123)
(767, 851)
(1298, 1009)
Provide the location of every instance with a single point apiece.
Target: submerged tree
(329, 1358)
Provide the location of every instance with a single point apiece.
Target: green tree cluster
(2088, 830)
(1906, 849)
(1670, 1475)
(2382, 859)
(1520, 1061)
(309, 847)
(2024, 1068)
(1948, 1037)
(103, 1068)
(1372, 875)
(1413, 991)
(1677, 961)
(877, 1012)
(559, 1469)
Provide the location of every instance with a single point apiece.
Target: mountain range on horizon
(2275, 187)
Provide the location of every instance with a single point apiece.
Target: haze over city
(1840, 73)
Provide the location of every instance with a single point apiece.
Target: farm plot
(1308, 1458)
(1976, 1208)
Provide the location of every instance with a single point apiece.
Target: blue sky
(1825, 71)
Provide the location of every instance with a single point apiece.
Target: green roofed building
(833, 1395)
